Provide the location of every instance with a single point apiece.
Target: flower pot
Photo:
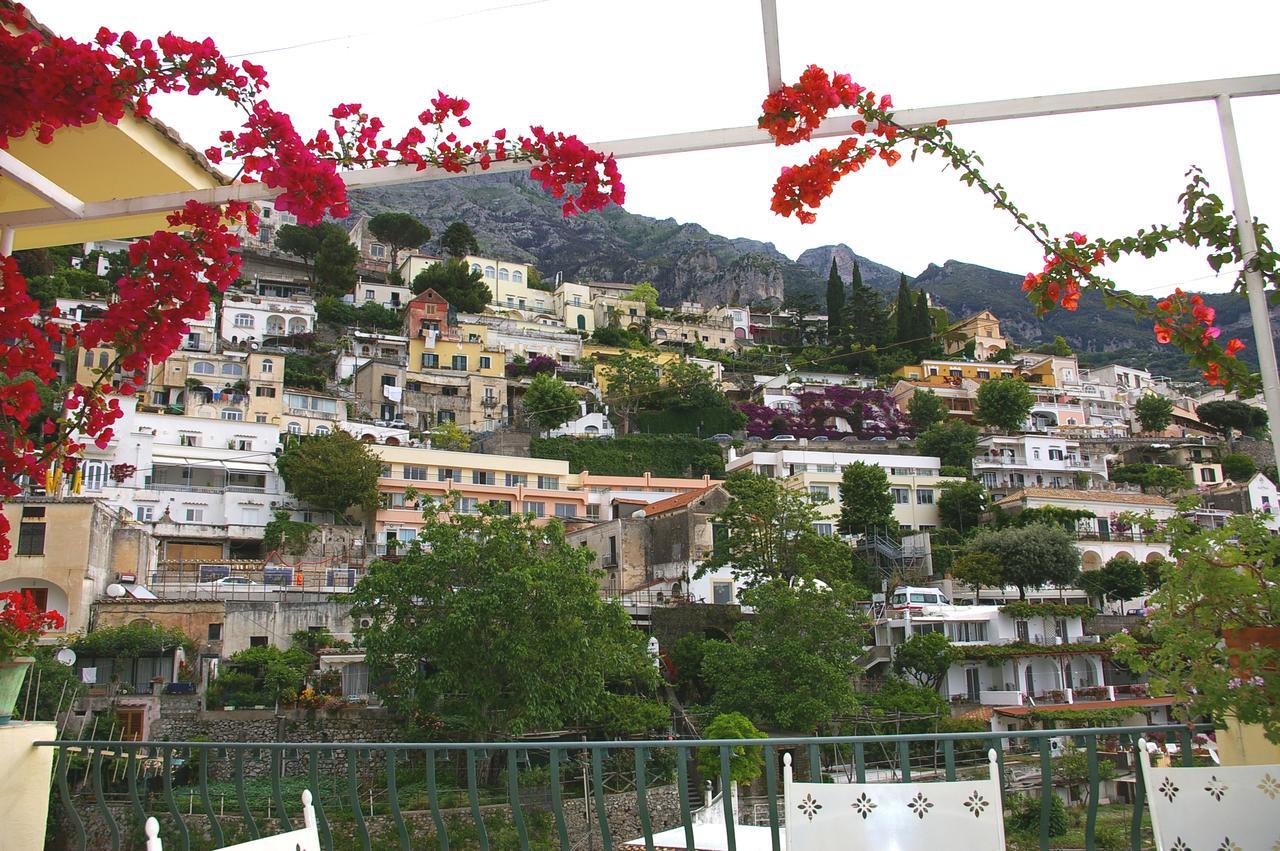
(12, 673)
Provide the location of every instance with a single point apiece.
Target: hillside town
(442, 542)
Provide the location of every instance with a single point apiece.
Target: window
(445, 474)
(232, 414)
(489, 271)
(485, 362)
(926, 628)
(215, 632)
(1056, 455)
(468, 505)
(901, 496)
(826, 468)
(582, 322)
(722, 593)
(322, 429)
(924, 496)
(88, 358)
(593, 511)
(548, 483)
(537, 509)
(460, 362)
(823, 529)
(1060, 628)
(368, 295)
(201, 367)
(31, 532)
(566, 510)
(377, 250)
(483, 477)
(243, 320)
(188, 440)
(430, 360)
(967, 631)
(294, 428)
(517, 277)
(504, 275)
(984, 374)
(902, 471)
(819, 492)
(502, 506)
(1023, 632)
(446, 416)
(268, 366)
(385, 473)
(475, 267)
(143, 513)
(257, 641)
(195, 515)
(415, 472)
(1207, 474)
(1035, 453)
(388, 381)
(514, 479)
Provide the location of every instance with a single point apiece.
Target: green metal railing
(521, 794)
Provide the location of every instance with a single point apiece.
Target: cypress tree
(904, 313)
(866, 312)
(835, 303)
(923, 325)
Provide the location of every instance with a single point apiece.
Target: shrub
(1024, 815)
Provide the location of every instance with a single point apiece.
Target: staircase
(894, 558)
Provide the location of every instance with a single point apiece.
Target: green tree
(332, 472)
(549, 402)
(835, 303)
(1031, 556)
(263, 676)
(926, 408)
(1059, 348)
(458, 240)
(905, 316)
(865, 501)
(448, 435)
(1123, 578)
(398, 231)
(335, 261)
(1154, 412)
(977, 570)
(745, 762)
(647, 293)
(496, 626)
(1152, 478)
(865, 318)
(961, 505)
(302, 242)
(455, 282)
(955, 442)
(632, 383)
(689, 385)
(1238, 467)
(922, 325)
(925, 658)
(791, 667)
(1230, 416)
(1004, 403)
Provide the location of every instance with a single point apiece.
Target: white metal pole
(1258, 312)
(6, 241)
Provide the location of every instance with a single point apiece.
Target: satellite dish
(66, 656)
(254, 346)
(115, 589)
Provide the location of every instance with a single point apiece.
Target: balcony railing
(233, 791)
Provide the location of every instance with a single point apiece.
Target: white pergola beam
(772, 56)
(702, 140)
(42, 187)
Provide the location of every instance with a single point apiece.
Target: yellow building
(602, 354)
(466, 351)
(237, 386)
(983, 329)
(942, 372)
(573, 306)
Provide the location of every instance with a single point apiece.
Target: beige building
(983, 329)
(235, 386)
(309, 412)
(66, 551)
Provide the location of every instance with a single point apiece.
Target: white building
(780, 391)
(915, 481)
(252, 319)
(595, 424)
(1258, 494)
(390, 296)
(1005, 463)
(1054, 654)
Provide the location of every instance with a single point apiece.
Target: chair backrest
(903, 816)
(306, 838)
(1235, 807)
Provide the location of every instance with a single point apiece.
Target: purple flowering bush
(835, 412)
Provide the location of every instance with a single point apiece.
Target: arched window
(202, 367)
(88, 357)
(582, 322)
(102, 360)
(322, 429)
(504, 275)
(295, 428)
(268, 365)
(232, 369)
(517, 277)
(489, 271)
(244, 320)
(475, 267)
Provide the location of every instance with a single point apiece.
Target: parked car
(721, 438)
(783, 438)
(232, 581)
(822, 438)
(880, 438)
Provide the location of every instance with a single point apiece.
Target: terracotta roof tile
(1089, 705)
(671, 503)
(1087, 496)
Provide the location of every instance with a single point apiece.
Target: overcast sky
(608, 70)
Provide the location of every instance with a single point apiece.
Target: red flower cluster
(22, 623)
(793, 113)
(1185, 320)
(52, 82)
(1059, 283)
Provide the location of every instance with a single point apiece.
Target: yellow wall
(446, 349)
(662, 358)
(968, 369)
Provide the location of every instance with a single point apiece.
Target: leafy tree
(1152, 478)
(897, 696)
(1154, 412)
(835, 303)
(456, 283)
(1031, 556)
(647, 293)
(1123, 578)
(977, 570)
(69, 282)
(282, 533)
(955, 442)
(622, 338)
(791, 666)
(335, 261)
(632, 382)
(689, 385)
(961, 505)
(549, 402)
(458, 240)
(1073, 767)
(1059, 347)
(926, 408)
(1004, 403)
(302, 242)
(1238, 467)
(332, 472)
(745, 763)
(448, 435)
(925, 658)
(1228, 417)
(497, 627)
(261, 676)
(865, 501)
(398, 231)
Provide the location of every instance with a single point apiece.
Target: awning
(208, 458)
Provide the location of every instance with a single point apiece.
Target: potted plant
(21, 625)
(1215, 624)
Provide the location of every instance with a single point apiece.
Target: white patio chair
(306, 838)
(903, 816)
(1235, 807)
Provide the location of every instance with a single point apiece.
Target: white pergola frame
(65, 207)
